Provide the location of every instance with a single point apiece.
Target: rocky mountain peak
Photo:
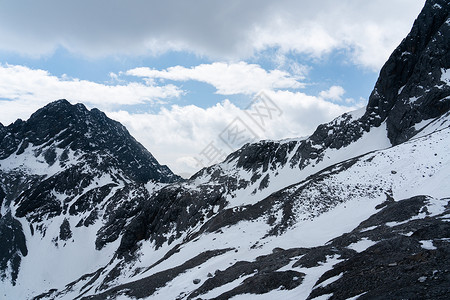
(61, 125)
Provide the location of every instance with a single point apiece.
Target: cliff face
(414, 83)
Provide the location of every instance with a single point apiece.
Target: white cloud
(333, 93)
(189, 129)
(369, 30)
(176, 136)
(27, 90)
(228, 79)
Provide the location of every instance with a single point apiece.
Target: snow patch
(413, 99)
(368, 228)
(361, 245)
(445, 76)
(428, 245)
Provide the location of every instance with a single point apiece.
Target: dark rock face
(2, 197)
(410, 88)
(12, 246)
(171, 208)
(269, 156)
(65, 126)
(264, 283)
(398, 265)
(89, 200)
(64, 230)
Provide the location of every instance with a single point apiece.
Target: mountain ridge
(357, 210)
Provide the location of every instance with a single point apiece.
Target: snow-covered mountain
(360, 209)
(66, 175)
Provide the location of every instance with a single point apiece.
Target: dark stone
(64, 230)
(90, 220)
(12, 247)
(397, 211)
(397, 266)
(264, 182)
(174, 207)
(90, 199)
(50, 155)
(413, 71)
(2, 197)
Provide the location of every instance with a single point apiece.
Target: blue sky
(177, 73)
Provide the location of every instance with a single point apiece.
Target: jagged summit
(61, 125)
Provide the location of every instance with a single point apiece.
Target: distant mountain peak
(357, 210)
(61, 125)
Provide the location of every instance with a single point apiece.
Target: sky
(195, 80)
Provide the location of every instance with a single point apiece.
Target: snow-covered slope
(282, 245)
(358, 209)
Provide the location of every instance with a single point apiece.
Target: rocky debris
(391, 269)
(173, 208)
(147, 286)
(60, 125)
(264, 283)
(264, 275)
(397, 265)
(326, 196)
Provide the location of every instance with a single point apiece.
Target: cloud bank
(221, 30)
(24, 90)
(188, 130)
(228, 79)
(176, 135)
